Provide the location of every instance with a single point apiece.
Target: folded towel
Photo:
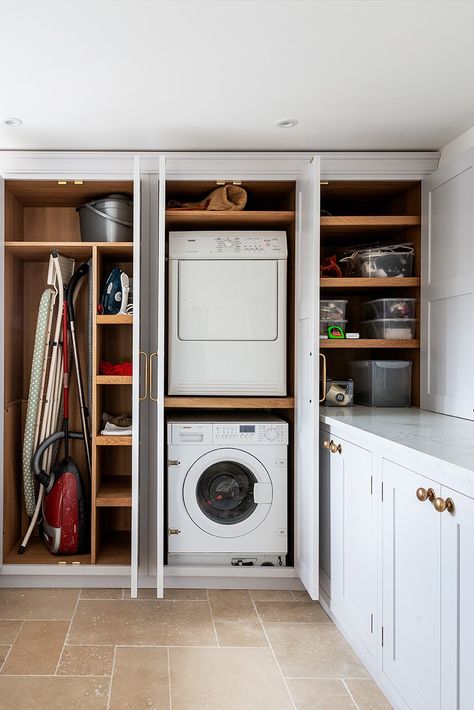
(227, 197)
(114, 430)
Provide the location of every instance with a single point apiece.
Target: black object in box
(339, 393)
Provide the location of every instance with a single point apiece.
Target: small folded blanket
(117, 426)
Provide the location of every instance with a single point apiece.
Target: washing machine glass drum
(227, 493)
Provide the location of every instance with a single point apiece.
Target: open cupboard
(379, 200)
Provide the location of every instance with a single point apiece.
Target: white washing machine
(227, 313)
(227, 491)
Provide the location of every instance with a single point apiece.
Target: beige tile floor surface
(98, 649)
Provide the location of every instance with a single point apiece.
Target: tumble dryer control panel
(235, 244)
(251, 433)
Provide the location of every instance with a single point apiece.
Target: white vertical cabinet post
(325, 541)
(457, 611)
(447, 292)
(2, 374)
(411, 533)
(307, 379)
(136, 379)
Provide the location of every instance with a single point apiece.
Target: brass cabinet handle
(441, 505)
(422, 494)
(323, 357)
(326, 444)
(335, 448)
(150, 361)
(141, 398)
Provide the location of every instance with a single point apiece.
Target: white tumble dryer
(227, 490)
(227, 313)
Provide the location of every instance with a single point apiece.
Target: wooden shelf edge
(370, 221)
(114, 320)
(114, 492)
(114, 379)
(359, 282)
(177, 216)
(113, 440)
(202, 402)
(369, 344)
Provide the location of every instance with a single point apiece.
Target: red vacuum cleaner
(65, 524)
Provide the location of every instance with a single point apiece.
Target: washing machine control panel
(250, 433)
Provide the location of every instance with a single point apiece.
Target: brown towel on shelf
(227, 197)
(124, 420)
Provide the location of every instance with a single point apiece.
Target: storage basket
(382, 383)
(381, 261)
(389, 328)
(390, 308)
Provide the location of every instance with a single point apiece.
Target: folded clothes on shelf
(117, 368)
(116, 426)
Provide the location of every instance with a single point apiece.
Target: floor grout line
(274, 655)
(111, 679)
(11, 646)
(213, 621)
(169, 677)
(348, 690)
(67, 632)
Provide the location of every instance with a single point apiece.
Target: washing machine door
(227, 493)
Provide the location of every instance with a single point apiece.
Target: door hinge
(174, 531)
(382, 491)
(382, 636)
(173, 462)
(371, 485)
(371, 623)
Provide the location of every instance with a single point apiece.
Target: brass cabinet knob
(441, 505)
(326, 444)
(422, 494)
(335, 448)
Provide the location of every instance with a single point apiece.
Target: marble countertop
(448, 439)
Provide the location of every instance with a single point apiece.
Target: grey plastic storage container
(109, 219)
(380, 262)
(339, 393)
(382, 383)
(332, 309)
(389, 328)
(390, 308)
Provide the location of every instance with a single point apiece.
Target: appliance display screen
(247, 428)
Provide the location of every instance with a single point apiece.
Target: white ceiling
(178, 74)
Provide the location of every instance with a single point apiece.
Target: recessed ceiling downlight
(12, 122)
(287, 123)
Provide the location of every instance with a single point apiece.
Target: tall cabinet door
(411, 584)
(307, 380)
(2, 398)
(457, 612)
(448, 289)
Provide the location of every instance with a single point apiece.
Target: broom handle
(65, 381)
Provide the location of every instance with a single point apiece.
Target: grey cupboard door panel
(447, 385)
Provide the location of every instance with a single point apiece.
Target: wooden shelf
(177, 218)
(362, 223)
(113, 440)
(114, 380)
(389, 282)
(366, 343)
(229, 402)
(122, 319)
(114, 548)
(115, 492)
(37, 554)
(29, 251)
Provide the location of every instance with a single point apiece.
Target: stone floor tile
(53, 693)
(313, 651)
(37, 648)
(186, 594)
(271, 595)
(9, 631)
(240, 633)
(312, 694)
(86, 660)
(140, 679)
(230, 678)
(231, 605)
(38, 603)
(3, 653)
(310, 612)
(98, 593)
(301, 595)
(368, 695)
(143, 623)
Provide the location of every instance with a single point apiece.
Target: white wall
(456, 146)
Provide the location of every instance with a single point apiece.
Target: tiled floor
(238, 650)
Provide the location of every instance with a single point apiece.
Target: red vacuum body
(64, 527)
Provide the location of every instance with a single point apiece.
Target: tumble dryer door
(227, 493)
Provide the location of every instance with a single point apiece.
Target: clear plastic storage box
(339, 393)
(378, 262)
(382, 383)
(389, 328)
(390, 308)
(329, 310)
(325, 324)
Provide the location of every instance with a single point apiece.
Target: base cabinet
(397, 574)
